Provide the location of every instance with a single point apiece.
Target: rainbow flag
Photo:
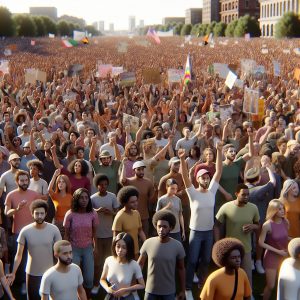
(152, 33)
(187, 73)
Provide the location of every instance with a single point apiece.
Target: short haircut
(39, 204)
(84, 167)
(294, 248)
(164, 215)
(37, 163)
(78, 148)
(100, 177)
(126, 237)
(241, 186)
(222, 249)
(59, 244)
(226, 147)
(21, 173)
(171, 181)
(281, 141)
(125, 193)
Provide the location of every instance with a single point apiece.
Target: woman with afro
(230, 282)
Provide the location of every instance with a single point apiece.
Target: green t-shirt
(235, 217)
(110, 171)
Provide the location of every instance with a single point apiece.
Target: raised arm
(31, 140)
(247, 156)
(55, 158)
(184, 169)
(92, 154)
(219, 164)
(53, 180)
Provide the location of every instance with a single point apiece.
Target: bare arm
(247, 156)
(4, 282)
(184, 169)
(142, 235)
(55, 158)
(217, 230)
(141, 261)
(81, 293)
(17, 261)
(271, 176)
(31, 141)
(219, 165)
(92, 154)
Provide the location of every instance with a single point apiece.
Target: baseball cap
(173, 160)
(26, 145)
(138, 164)
(13, 156)
(201, 172)
(104, 154)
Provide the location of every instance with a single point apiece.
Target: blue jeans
(84, 257)
(200, 247)
(159, 297)
(176, 236)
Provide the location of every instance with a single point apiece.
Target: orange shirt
(62, 205)
(293, 215)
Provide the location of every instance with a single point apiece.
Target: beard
(39, 221)
(23, 187)
(204, 185)
(66, 262)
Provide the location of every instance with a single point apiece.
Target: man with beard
(105, 165)
(145, 188)
(17, 206)
(165, 255)
(131, 153)
(202, 202)
(232, 168)
(39, 238)
(64, 280)
(240, 218)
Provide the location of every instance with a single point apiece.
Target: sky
(110, 11)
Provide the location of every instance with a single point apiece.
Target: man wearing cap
(105, 165)
(112, 147)
(28, 155)
(202, 202)
(145, 188)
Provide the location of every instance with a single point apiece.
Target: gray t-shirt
(105, 220)
(39, 244)
(176, 208)
(8, 181)
(40, 186)
(162, 258)
(61, 286)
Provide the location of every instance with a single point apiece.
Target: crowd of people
(89, 200)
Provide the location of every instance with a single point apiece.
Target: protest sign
(116, 71)
(104, 70)
(51, 36)
(247, 66)
(143, 43)
(250, 104)
(132, 122)
(175, 75)
(4, 69)
(297, 51)
(7, 52)
(247, 37)
(233, 67)
(221, 69)
(41, 76)
(127, 79)
(225, 112)
(230, 79)
(264, 51)
(74, 70)
(239, 83)
(151, 76)
(259, 71)
(122, 47)
(30, 76)
(276, 68)
(78, 35)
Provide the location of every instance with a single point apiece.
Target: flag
(205, 40)
(32, 43)
(187, 73)
(69, 43)
(152, 33)
(210, 38)
(85, 40)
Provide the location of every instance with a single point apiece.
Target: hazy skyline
(113, 11)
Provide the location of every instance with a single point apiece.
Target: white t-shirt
(202, 207)
(61, 286)
(121, 274)
(186, 144)
(161, 143)
(40, 186)
(111, 150)
(288, 281)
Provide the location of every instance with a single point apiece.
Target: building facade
(131, 24)
(101, 26)
(210, 11)
(168, 20)
(193, 16)
(271, 11)
(233, 9)
(50, 12)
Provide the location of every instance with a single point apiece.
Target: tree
(91, 29)
(195, 29)
(7, 25)
(247, 24)
(177, 28)
(40, 26)
(219, 29)
(288, 26)
(25, 25)
(186, 29)
(229, 32)
(50, 26)
(63, 28)
(210, 27)
(202, 29)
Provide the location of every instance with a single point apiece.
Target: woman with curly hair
(80, 225)
(273, 238)
(230, 281)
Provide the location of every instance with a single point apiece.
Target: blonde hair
(59, 244)
(273, 208)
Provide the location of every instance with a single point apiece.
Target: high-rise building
(101, 26)
(271, 11)
(232, 10)
(50, 12)
(111, 27)
(210, 11)
(168, 20)
(193, 16)
(131, 24)
(142, 24)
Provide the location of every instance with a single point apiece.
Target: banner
(221, 69)
(104, 70)
(143, 43)
(175, 75)
(127, 79)
(165, 33)
(151, 76)
(247, 37)
(41, 76)
(297, 74)
(225, 112)
(78, 35)
(132, 122)
(4, 68)
(230, 79)
(247, 66)
(250, 104)
(74, 70)
(116, 71)
(7, 52)
(264, 51)
(276, 68)
(51, 35)
(30, 76)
